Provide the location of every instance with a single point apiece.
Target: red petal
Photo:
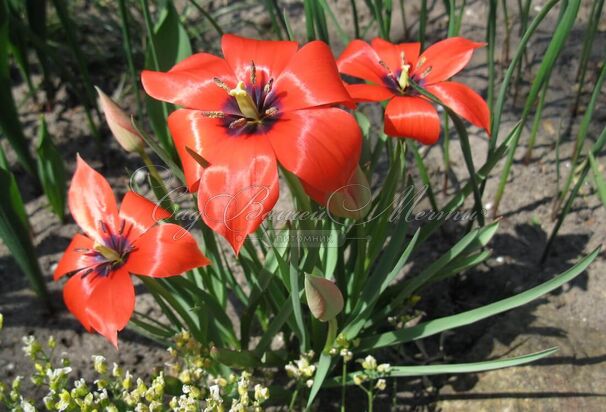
(270, 57)
(320, 146)
(191, 83)
(165, 250)
(209, 138)
(91, 201)
(76, 293)
(368, 92)
(74, 259)
(111, 304)
(446, 58)
(311, 79)
(464, 101)
(235, 195)
(391, 54)
(140, 214)
(362, 61)
(412, 117)
(186, 129)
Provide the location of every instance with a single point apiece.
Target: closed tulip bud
(120, 124)
(352, 200)
(324, 298)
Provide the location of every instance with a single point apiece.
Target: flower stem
(331, 335)
(293, 399)
(157, 184)
(343, 386)
(370, 399)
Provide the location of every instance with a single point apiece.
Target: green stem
(293, 399)
(331, 335)
(370, 394)
(343, 385)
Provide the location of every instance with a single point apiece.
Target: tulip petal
(91, 202)
(235, 195)
(73, 258)
(165, 250)
(391, 54)
(111, 304)
(311, 79)
(140, 214)
(209, 138)
(412, 117)
(186, 128)
(76, 293)
(191, 83)
(446, 58)
(368, 92)
(270, 57)
(464, 101)
(362, 61)
(320, 146)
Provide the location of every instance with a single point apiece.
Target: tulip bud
(324, 298)
(352, 200)
(120, 124)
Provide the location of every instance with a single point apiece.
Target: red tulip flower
(391, 68)
(117, 243)
(264, 103)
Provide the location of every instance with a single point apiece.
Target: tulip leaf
(435, 326)
(51, 171)
(324, 366)
(10, 126)
(598, 179)
(15, 231)
(168, 45)
(426, 370)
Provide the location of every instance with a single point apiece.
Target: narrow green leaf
(472, 367)
(324, 366)
(15, 233)
(168, 44)
(433, 327)
(600, 183)
(51, 171)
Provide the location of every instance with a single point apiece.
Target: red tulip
(116, 243)
(390, 68)
(266, 102)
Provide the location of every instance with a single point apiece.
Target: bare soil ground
(571, 318)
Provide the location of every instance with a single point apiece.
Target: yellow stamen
(108, 253)
(245, 102)
(403, 81)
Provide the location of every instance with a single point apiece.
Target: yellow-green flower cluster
(302, 370)
(114, 389)
(372, 372)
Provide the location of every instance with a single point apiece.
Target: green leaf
(15, 232)
(425, 370)
(235, 359)
(168, 45)
(51, 171)
(324, 365)
(433, 327)
(373, 289)
(10, 126)
(600, 183)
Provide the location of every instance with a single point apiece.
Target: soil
(571, 318)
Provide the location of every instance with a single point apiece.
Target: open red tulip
(264, 103)
(115, 244)
(390, 69)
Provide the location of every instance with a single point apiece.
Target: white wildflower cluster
(342, 348)
(302, 370)
(115, 390)
(372, 372)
